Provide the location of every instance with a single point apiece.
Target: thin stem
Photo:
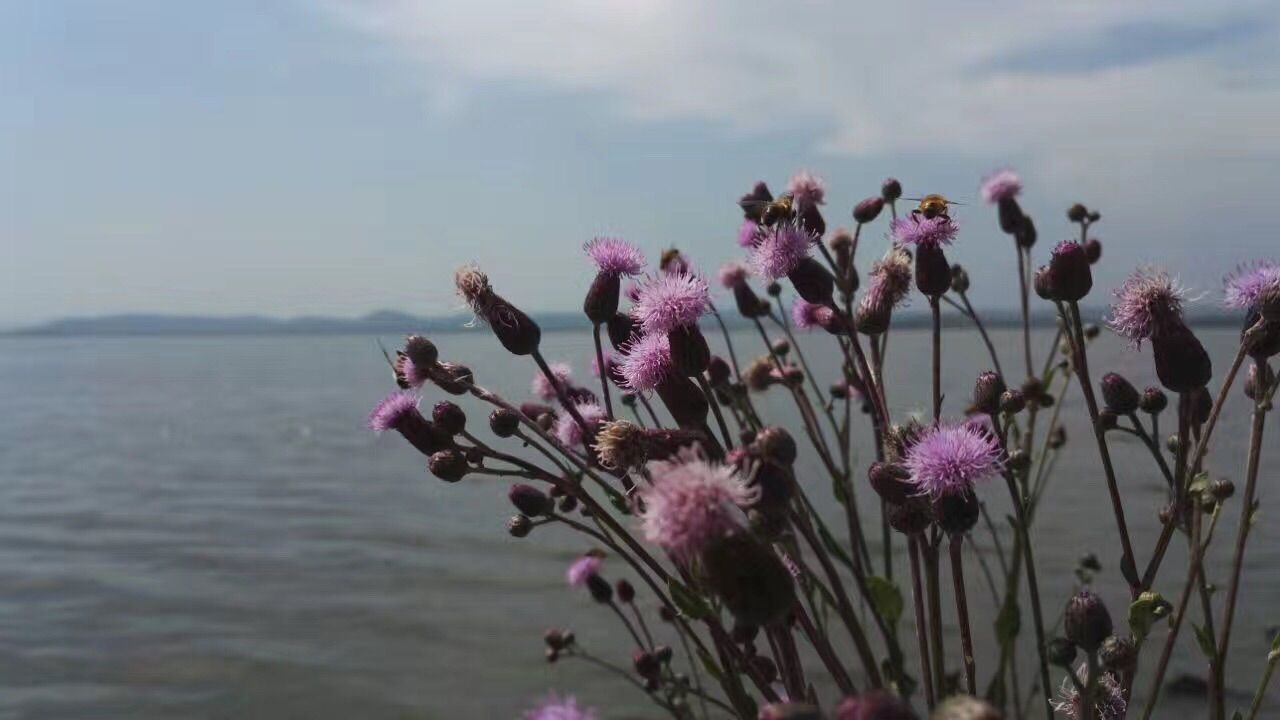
(604, 372)
(825, 652)
(922, 628)
(1033, 587)
(560, 392)
(1024, 255)
(936, 312)
(968, 311)
(1272, 659)
(728, 341)
(937, 651)
(962, 612)
(647, 406)
(1193, 570)
(1091, 686)
(715, 410)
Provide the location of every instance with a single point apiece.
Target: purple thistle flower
(748, 233)
(806, 314)
(583, 568)
(569, 432)
(1148, 302)
(732, 274)
(409, 372)
(541, 385)
(951, 458)
(632, 291)
(890, 282)
(1001, 185)
(614, 256)
(610, 362)
(1252, 282)
(393, 409)
(916, 229)
(646, 363)
(780, 249)
(806, 188)
(560, 708)
(1110, 704)
(668, 301)
(692, 502)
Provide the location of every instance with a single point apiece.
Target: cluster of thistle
(737, 588)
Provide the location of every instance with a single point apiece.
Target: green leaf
(1205, 640)
(1274, 655)
(886, 599)
(687, 602)
(1199, 483)
(1143, 612)
(1008, 622)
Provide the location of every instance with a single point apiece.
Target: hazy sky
(339, 156)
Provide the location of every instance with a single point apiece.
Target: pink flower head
(583, 568)
(614, 256)
(916, 229)
(692, 502)
(1252, 282)
(951, 458)
(1001, 185)
(748, 233)
(558, 708)
(646, 363)
(1110, 704)
(806, 189)
(393, 410)
(541, 385)
(808, 315)
(407, 371)
(609, 363)
(1148, 302)
(732, 274)
(569, 432)
(780, 249)
(632, 291)
(668, 301)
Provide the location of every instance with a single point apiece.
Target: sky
(342, 156)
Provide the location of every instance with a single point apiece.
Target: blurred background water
(203, 528)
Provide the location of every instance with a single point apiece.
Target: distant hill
(390, 322)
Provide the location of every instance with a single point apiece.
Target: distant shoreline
(394, 323)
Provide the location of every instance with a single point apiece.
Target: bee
(933, 205)
(767, 212)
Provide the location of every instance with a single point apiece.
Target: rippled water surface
(201, 527)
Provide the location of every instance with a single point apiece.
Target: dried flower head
(614, 256)
(1001, 185)
(733, 273)
(951, 458)
(780, 249)
(1252, 283)
(916, 229)
(620, 445)
(888, 287)
(646, 363)
(667, 301)
(558, 708)
(692, 502)
(1148, 302)
(541, 385)
(582, 568)
(806, 188)
(1109, 705)
(569, 431)
(473, 287)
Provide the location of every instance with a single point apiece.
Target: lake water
(202, 528)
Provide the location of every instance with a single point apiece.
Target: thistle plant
(702, 530)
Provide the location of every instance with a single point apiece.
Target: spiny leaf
(1205, 640)
(1008, 622)
(886, 598)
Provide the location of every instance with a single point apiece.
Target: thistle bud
(449, 417)
(448, 465)
(813, 282)
(600, 589)
(622, 329)
(452, 378)
(776, 445)
(1057, 438)
(1119, 654)
(1069, 276)
(1181, 361)
(1153, 401)
(774, 485)
(1012, 401)
(645, 663)
(867, 210)
(718, 372)
(519, 526)
(1043, 284)
(1201, 405)
(890, 189)
(749, 578)
(1026, 235)
(690, 354)
(1093, 250)
(1010, 214)
(684, 401)
(1087, 622)
(774, 289)
(910, 516)
(517, 332)
(1019, 461)
(1222, 489)
(529, 500)
(933, 272)
(1077, 213)
(1107, 419)
(1061, 652)
(956, 513)
(749, 304)
(421, 351)
(626, 591)
(1094, 216)
(1261, 337)
(1253, 389)
(503, 422)
(890, 481)
(1119, 395)
(601, 302)
(988, 391)
(959, 280)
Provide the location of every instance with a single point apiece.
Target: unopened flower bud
(529, 500)
(868, 210)
(987, 392)
(626, 591)
(749, 578)
(519, 526)
(890, 189)
(684, 401)
(601, 302)
(959, 280)
(1092, 331)
(449, 417)
(1012, 401)
(1254, 389)
(1182, 364)
(1087, 622)
(600, 589)
(774, 289)
(933, 272)
(1153, 401)
(957, 512)
(503, 422)
(1043, 285)
(1026, 235)
(1093, 250)
(1119, 654)
(776, 445)
(448, 465)
(718, 371)
(1077, 213)
(1120, 396)
(452, 378)
(910, 516)
(645, 663)
(1222, 489)
(890, 481)
(1061, 652)
(690, 354)
(813, 282)
(1094, 216)
(1010, 215)
(1019, 461)
(1070, 278)
(622, 329)
(664, 653)
(1201, 405)
(568, 504)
